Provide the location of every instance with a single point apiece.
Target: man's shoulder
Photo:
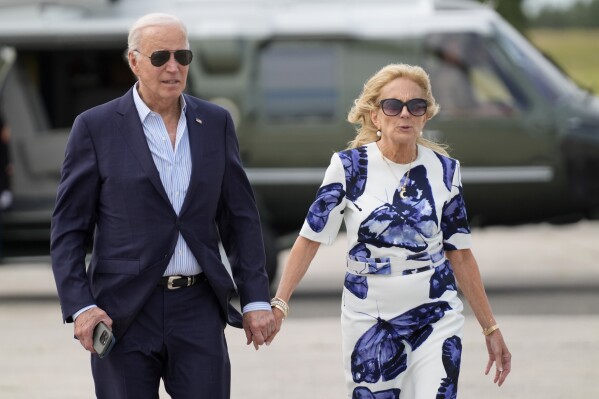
(204, 106)
(101, 110)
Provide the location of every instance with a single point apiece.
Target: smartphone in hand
(103, 339)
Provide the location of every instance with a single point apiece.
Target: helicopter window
(467, 78)
(69, 81)
(298, 80)
(549, 79)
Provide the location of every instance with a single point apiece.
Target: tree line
(583, 14)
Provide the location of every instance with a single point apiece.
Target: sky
(532, 7)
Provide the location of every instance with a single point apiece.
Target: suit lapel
(196, 133)
(132, 131)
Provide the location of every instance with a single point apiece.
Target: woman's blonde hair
(368, 100)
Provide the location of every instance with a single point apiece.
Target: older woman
(400, 196)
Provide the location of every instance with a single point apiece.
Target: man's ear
(132, 61)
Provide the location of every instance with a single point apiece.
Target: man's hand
(85, 324)
(258, 326)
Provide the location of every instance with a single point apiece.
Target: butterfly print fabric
(407, 222)
(380, 352)
(449, 167)
(355, 165)
(401, 316)
(454, 218)
(365, 393)
(452, 354)
(327, 198)
(442, 280)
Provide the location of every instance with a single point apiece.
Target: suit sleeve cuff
(83, 310)
(256, 306)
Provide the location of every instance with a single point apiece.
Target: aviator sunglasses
(161, 57)
(393, 106)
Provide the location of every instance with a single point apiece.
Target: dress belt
(176, 282)
(395, 265)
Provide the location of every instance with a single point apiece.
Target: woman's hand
(279, 317)
(300, 257)
(500, 355)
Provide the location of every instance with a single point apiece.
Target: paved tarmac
(554, 354)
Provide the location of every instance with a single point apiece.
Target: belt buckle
(170, 282)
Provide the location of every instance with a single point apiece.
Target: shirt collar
(143, 110)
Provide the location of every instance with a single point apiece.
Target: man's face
(162, 84)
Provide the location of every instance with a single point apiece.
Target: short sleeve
(454, 220)
(325, 215)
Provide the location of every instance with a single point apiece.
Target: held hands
(259, 325)
(262, 326)
(279, 317)
(85, 324)
(498, 354)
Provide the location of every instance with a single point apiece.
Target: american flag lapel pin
(198, 120)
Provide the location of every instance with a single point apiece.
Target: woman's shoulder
(358, 152)
(431, 154)
(441, 163)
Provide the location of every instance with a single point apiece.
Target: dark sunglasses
(161, 57)
(393, 106)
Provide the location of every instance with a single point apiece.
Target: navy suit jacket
(110, 191)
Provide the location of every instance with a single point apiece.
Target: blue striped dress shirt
(174, 167)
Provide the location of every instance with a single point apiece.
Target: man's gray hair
(154, 19)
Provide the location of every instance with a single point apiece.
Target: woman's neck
(402, 154)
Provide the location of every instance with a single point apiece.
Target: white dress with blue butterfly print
(401, 316)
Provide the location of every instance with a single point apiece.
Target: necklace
(402, 190)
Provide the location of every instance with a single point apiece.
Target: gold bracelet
(281, 305)
(276, 305)
(488, 331)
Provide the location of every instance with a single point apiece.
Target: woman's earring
(420, 133)
(379, 133)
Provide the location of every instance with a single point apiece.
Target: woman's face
(404, 128)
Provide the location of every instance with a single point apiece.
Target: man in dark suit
(155, 178)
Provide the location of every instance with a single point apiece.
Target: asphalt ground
(543, 281)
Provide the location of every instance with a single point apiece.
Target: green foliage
(511, 10)
(574, 50)
(584, 14)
